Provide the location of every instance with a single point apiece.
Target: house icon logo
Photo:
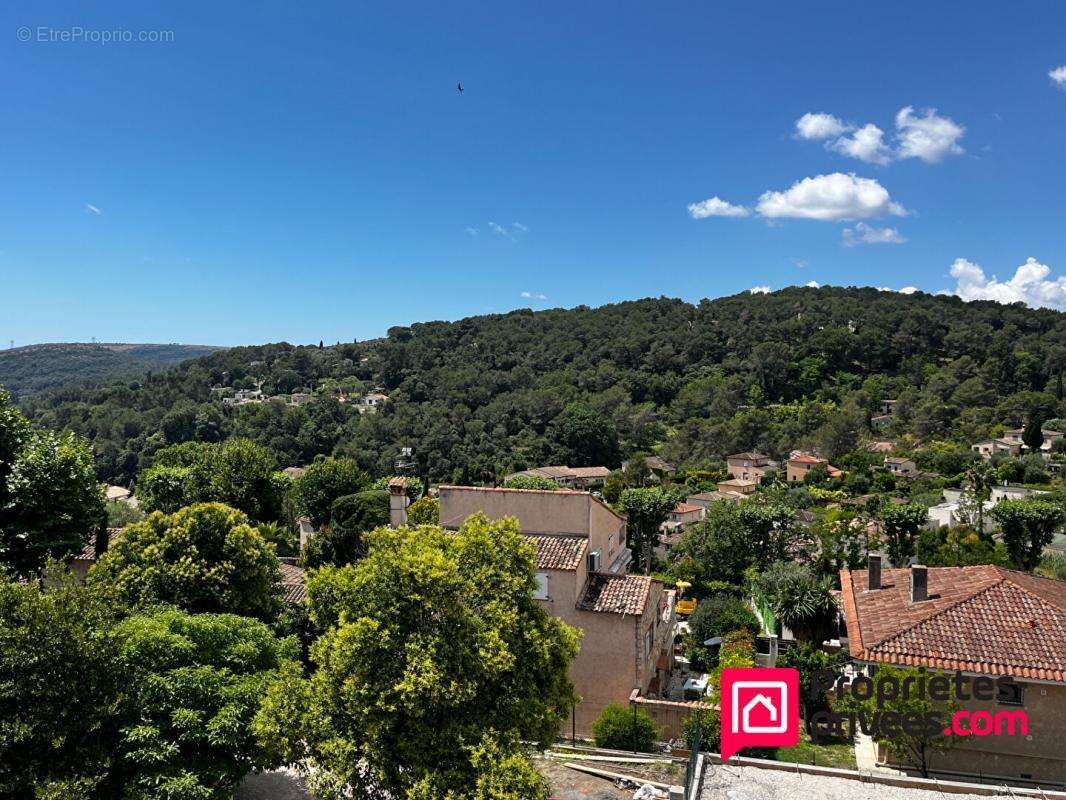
(760, 708)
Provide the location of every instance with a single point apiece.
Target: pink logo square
(760, 708)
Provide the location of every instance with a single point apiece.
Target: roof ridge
(1001, 579)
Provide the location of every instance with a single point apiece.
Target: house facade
(978, 621)
(568, 477)
(799, 464)
(987, 448)
(749, 466)
(627, 620)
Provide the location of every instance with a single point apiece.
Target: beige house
(1014, 436)
(627, 620)
(990, 447)
(983, 621)
(743, 486)
(749, 466)
(799, 464)
(898, 465)
(568, 477)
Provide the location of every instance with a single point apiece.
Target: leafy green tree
(204, 558)
(343, 541)
(842, 541)
(57, 685)
(166, 488)
(621, 728)
(581, 437)
(433, 647)
(799, 598)
(1053, 565)
(192, 686)
(960, 546)
(916, 746)
(1033, 434)
(14, 432)
(530, 482)
(424, 511)
(1028, 527)
(718, 615)
(55, 504)
(900, 525)
(645, 510)
(324, 482)
(808, 660)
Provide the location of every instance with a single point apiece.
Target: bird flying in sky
(459, 87)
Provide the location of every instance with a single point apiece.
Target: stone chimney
(919, 583)
(875, 571)
(398, 502)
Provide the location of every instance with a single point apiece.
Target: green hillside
(483, 396)
(25, 371)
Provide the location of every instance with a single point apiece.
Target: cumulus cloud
(820, 126)
(929, 137)
(830, 198)
(759, 290)
(812, 284)
(93, 209)
(499, 230)
(471, 231)
(866, 144)
(908, 290)
(867, 234)
(1030, 285)
(1058, 76)
(716, 207)
(534, 296)
(518, 226)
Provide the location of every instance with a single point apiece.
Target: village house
(659, 468)
(704, 499)
(799, 464)
(898, 465)
(881, 446)
(982, 621)
(949, 512)
(568, 477)
(990, 447)
(749, 466)
(1014, 436)
(581, 561)
(742, 486)
(888, 407)
(300, 398)
(682, 514)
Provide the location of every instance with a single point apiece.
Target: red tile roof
(559, 552)
(293, 583)
(616, 594)
(806, 458)
(982, 619)
(686, 508)
(88, 552)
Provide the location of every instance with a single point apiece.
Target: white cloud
(716, 207)
(812, 284)
(798, 262)
(499, 230)
(820, 126)
(534, 296)
(93, 209)
(759, 290)
(929, 137)
(867, 234)
(1058, 76)
(471, 231)
(830, 198)
(518, 226)
(908, 290)
(1030, 285)
(866, 144)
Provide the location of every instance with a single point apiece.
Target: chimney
(102, 540)
(919, 583)
(875, 571)
(398, 502)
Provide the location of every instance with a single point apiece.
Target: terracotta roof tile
(977, 619)
(559, 552)
(616, 594)
(293, 583)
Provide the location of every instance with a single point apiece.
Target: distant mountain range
(25, 371)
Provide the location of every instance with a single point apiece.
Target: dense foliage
(204, 558)
(39, 368)
(621, 728)
(50, 503)
(433, 654)
(483, 397)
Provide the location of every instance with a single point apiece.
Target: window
(1009, 693)
(541, 592)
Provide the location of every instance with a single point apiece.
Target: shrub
(717, 615)
(619, 728)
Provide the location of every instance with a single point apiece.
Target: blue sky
(280, 172)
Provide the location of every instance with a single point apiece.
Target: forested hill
(37, 368)
(483, 396)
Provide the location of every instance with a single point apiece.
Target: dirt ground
(569, 784)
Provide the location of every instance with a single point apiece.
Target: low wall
(667, 714)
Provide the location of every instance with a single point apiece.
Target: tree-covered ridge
(25, 371)
(485, 396)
